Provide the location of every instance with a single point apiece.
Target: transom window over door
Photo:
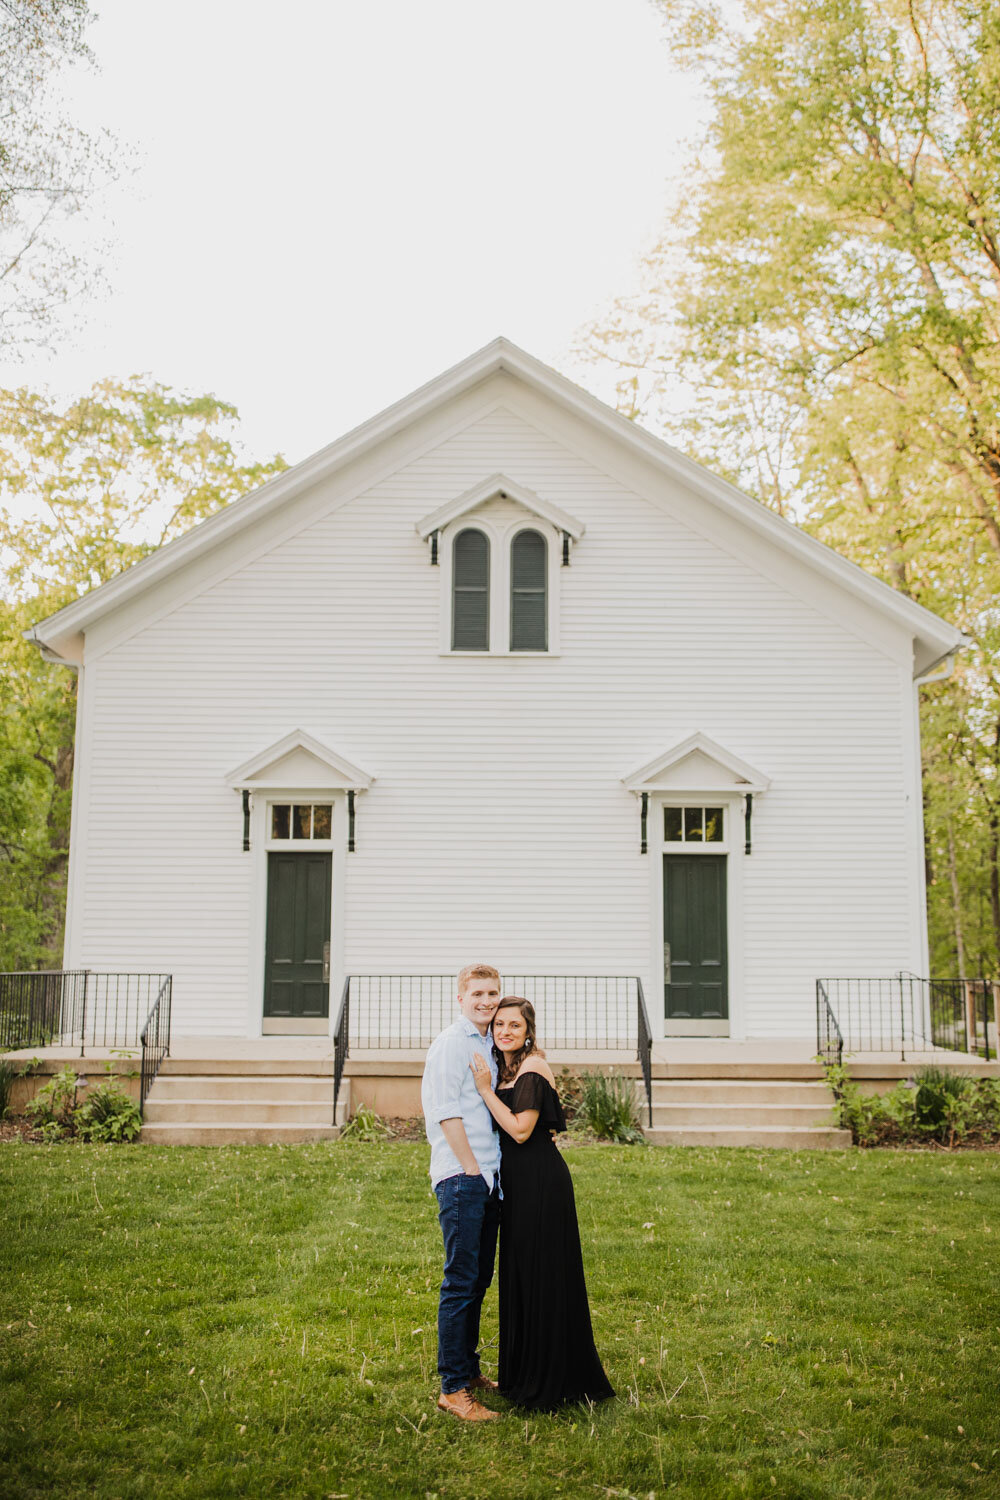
(529, 569)
(470, 591)
(692, 825)
(301, 820)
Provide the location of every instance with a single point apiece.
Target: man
(465, 1168)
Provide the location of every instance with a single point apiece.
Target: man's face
(478, 1001)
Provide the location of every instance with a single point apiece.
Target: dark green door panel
(694, 927)
(298, 929)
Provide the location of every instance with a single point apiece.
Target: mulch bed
(18, 1130)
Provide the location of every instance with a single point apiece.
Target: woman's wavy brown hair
(508, 1064)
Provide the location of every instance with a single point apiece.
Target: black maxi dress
(547, 1355)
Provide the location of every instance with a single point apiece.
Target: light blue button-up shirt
(448, 1092)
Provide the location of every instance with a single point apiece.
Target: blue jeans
(469, 1215)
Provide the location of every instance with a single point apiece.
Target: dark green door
(298, 931)
(696, 985)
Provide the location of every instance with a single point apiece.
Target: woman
(547, 1353)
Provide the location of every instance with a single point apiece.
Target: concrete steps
(788, 1113)
(190, 1107)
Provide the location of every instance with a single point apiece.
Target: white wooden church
(497, 676)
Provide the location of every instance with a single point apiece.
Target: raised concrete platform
(710, 1091)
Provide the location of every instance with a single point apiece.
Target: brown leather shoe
(461, 1404)
(483, 1383)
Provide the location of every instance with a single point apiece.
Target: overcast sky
(332, 202)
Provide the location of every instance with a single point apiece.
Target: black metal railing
(81, 1007)
(644, 1041)
(829, 1039)
(341, 1042)
(75, 1007)
(154, 1038)
(31, 1009)
(906, 1013)
(579, 1012)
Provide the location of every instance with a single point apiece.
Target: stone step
(239, 1111)
(739, 1091)
(784, 1137)
(236, 1086)
(666, 1116)
(200, 1133)
(188, 1119)
(246, 1067)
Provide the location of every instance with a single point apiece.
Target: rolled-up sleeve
(443, 1079)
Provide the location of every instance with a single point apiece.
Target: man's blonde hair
(476, 971)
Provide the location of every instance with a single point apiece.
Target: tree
(833, 300)
(89, 490)
(49, 168)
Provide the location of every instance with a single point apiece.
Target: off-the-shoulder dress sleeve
(532, 1091)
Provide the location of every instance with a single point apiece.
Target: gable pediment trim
(697, 765)
(299, 760)
(499, 486)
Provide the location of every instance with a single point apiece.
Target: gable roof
(697, 764)
(935, 638)
(498, 486)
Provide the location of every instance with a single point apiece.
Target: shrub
(52, 1107)
(608, 1106)
(108, 1114)
(365, 1125)
(8, 1072)
(569, 1087)
(935, 1105)
(936, 1093)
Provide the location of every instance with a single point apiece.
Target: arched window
(529, 571)
(470, 592)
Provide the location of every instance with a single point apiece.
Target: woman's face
(509, 1030)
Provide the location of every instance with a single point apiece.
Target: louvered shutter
(528, 592)
(470, 592)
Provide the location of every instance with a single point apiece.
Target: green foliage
(609, 1108)
(569, 1087)
(832, 298)
(9, 1071)
(365, 1125)
(52, 1107)
(88, 489)
(107, 1114)
(936, 1105)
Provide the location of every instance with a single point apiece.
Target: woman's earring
(527, 1045)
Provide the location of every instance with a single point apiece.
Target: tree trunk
(956, 900)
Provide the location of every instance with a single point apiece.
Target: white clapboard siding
(498, 827)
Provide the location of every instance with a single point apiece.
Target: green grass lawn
(260, 1321)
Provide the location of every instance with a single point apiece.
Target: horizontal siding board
(497, 824)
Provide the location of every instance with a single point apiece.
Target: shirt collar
(471, 1029)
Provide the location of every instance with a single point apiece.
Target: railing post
(645, 1045)
(341, 1042)
(83, 1022)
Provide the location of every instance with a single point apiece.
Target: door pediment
(299, 761)
(697, 765)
